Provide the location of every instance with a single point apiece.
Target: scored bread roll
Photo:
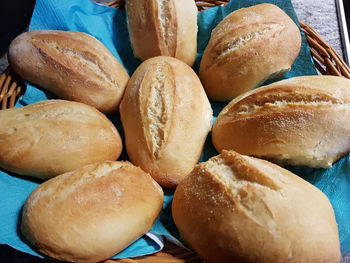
(166, 118)
(92, 213)
(248, 47)
(299, 121)
(163, 28)
(52, 137)
(235, 208)
(72, 65)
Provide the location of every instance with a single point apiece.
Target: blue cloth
(109, 26)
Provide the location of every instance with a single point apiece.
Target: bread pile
(232, 208)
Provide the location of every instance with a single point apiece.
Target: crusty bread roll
(72, 65)
(163, 28)
(248, 47)
(92, 213)
(166, 118)
(52, 137)
(235, 208)
(299, 121)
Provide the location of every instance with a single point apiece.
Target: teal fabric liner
(109, 26)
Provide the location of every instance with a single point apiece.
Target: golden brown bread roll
(248, 47)
(166, 117)
(235, 208)
(299, 121)
(163, 28)
(52, 137)
(72, 65)
(92, 213)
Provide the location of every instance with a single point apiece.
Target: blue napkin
(109, 26)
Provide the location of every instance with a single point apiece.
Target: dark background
(14, 18)
(10, 255)
(347, 12)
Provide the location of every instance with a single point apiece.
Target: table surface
(322, 16)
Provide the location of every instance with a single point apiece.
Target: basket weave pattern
(11, 88)
(326, 60)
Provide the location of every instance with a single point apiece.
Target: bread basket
(326, 60)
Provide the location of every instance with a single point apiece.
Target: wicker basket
(326, 60)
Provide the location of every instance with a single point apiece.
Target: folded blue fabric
(109, 26)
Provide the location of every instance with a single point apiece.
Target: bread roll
(92, 213)
(166, 118)
(52, 137)
(163, 28)
(299, 121)
(248, 47)
(235, 208)
(72, 65)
